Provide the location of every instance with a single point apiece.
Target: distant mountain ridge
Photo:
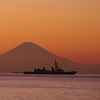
(28, 55)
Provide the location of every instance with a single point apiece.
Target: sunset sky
(67, 28)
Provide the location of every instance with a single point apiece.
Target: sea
(18, 86)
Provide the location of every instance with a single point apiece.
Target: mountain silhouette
(27, 56)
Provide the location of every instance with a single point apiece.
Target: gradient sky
(67, 28)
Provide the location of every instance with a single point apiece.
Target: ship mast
(56, 65)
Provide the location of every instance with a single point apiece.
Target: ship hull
(68, 73)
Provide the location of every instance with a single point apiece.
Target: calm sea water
(49, 87)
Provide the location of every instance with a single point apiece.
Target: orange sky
(67, 28)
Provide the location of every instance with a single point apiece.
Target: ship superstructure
(53, 70)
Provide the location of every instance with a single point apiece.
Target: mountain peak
(26, 52)
(27, 43)
(27, 46)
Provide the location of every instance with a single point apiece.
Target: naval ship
(53, 70)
